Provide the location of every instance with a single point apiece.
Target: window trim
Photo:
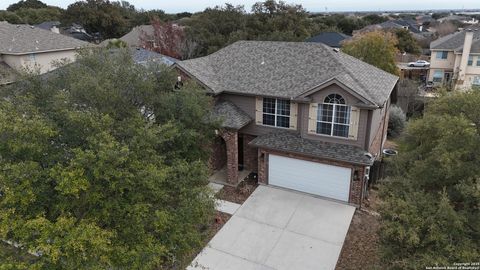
(334, 117)
(276, 114)
(441, 53)
(470, 61)
(436, 72)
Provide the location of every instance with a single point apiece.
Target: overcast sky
(311, 5)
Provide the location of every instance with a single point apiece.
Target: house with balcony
(303, 116)
(455, 61)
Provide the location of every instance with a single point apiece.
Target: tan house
(25, 47)
(455, 60)
(303, 116)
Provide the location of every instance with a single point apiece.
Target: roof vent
(336, 49)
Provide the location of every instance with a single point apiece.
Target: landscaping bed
(240, 193)
(218, 221)
(361, 247)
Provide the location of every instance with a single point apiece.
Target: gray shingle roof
(133, 38)
(332, 39)
(24, 39)
(230, 115)
(287, 70)
(292, 142)
(142, 56)
(454, 42)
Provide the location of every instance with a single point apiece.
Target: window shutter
(293, 115)
(259, 110)
(354, 119)
(312, 118)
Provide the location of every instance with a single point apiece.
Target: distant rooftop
(332, 39)
(24, 39)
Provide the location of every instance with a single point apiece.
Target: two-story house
(455, 60)
(303, 115)
(27, 47)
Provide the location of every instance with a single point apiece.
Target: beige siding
(319, 97)
(442, 63)
(43, 61)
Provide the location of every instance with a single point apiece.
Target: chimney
(467, 45)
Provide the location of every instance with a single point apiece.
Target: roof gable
(287, 70)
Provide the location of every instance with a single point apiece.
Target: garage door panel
(311, 177)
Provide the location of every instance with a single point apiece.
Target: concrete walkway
(221, 205)
(276, 229)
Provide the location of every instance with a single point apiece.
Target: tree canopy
(376, 48)
(431, 210)
(406, 42)
(26, 4)
(103, 166)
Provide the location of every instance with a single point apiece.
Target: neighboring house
(417, 31)
(302, 115)
(50, 26)
(27, 47)
(144, 57)
(459, 18)
(332, 39)
(134, 37)
(455, 60)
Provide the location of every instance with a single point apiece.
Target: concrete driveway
(276, 229)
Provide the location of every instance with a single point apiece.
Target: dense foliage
(406, 42)
(431, 210)
(396, 121)
(376, 48)
(103, 166)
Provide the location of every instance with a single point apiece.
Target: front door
(240, 152)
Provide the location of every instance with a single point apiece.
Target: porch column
(231, 141)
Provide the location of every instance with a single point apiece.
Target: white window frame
(438, 72)
(476, 81)
(470, 61)
(276, 114)
(334, 117)
(439, 55)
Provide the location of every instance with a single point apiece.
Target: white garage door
(310, 177)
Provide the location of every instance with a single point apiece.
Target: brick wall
(250, 154)
(231, 142)
(356, 190)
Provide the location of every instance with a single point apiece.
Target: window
(476, 81)
(276, 112)
(333, 117)
(470, 60)
(478, 61)
(31, 57)
(442, 55)
(438, 76)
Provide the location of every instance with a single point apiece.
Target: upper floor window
(333, 116)
(442, 55)
(470, 60)
(478, 61)
(276, 112)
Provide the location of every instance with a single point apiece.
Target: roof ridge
(350, 73)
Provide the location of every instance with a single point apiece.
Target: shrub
(396, 121)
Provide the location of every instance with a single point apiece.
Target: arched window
(334, 98)
(333, 116)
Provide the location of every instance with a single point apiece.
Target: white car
(419, 63)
